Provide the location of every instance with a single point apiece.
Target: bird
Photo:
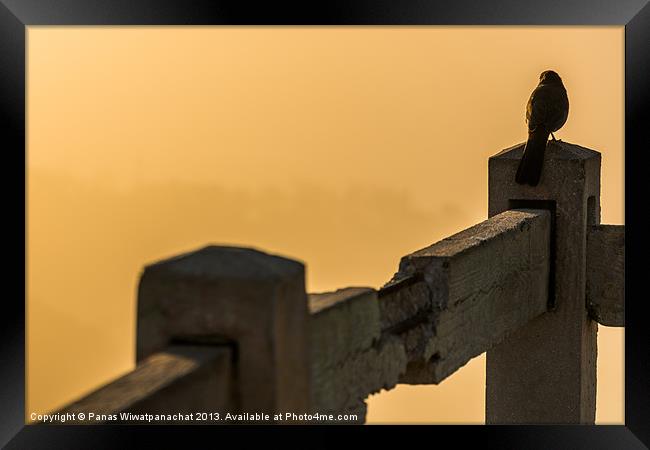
(546, 112)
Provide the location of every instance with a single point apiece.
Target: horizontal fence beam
(606, 274)
(448, 303)
(182, 379)
(469, 292)
(349, 360)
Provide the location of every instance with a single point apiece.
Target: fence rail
(227, 329)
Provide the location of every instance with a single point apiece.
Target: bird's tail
(530, 166)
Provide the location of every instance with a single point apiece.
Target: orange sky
(343, 147)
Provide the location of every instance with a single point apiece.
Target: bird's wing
(544, 106)
(536, 109)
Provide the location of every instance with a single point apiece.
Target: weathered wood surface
(349, 360)
(253, 298)
(606, 274)
(181, 379)
(447, 304)
(546, 371)
(454, 300)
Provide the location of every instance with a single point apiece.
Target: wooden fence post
(251, 298)
(546, 371)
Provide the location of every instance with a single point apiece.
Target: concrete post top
(555, 150)
(241, 295)
(224, 262)
(570, 174)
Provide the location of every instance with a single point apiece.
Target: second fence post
(546, 371)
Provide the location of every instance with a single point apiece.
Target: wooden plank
(468, 292)
(349, 361)
(343, 389)
(342, 323)
(404, 302)
(181, 379)
(606, 274)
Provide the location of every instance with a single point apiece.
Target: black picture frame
(16, 15)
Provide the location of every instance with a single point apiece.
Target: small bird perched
(546, 112)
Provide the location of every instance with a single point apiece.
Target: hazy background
(345, 148)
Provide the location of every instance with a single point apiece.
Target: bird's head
(550, 77)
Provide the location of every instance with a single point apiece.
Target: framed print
(334, 213)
